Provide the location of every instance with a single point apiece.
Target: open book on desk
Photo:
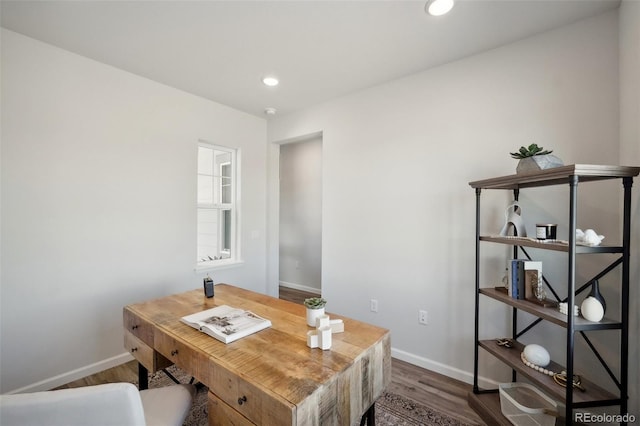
(225, 323)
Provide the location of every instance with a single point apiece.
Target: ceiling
(320, 50)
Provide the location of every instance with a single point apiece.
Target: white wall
(398, 214)
(301, 215)
(629, 14)
(98, 205)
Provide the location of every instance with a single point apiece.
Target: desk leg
(143, 377)
(369, 417)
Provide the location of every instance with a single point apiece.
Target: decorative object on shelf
(537, 355)
(513, 218)
(561, 379)
(534, 291)
(538, 368)
(592, 309)
(595, 293)
(564, 309)
(588, 237)
(527, 358)
(539, 292)
(546, 231)
(594, 306)
(534, 158)
(315, 308)
(505, 281)
(505, 341)
(321, 336)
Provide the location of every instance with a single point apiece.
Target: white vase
(592, 309)
(312, 314)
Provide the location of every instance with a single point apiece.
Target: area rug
(391, 409)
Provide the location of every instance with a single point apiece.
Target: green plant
(315, 302)
(529, 151)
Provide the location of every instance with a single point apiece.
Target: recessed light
(270, 81)
(270, 111)
(438, 7)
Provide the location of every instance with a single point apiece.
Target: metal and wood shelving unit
(486, 402)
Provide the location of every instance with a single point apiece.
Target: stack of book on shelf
(523, 277)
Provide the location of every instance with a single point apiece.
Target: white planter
(312, 314)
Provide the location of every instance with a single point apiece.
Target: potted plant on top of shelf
(534, 158)
(315, 308)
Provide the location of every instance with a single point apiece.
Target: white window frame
(223, 240)
(234, 253)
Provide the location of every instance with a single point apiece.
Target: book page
(226, 323)
(233, 322)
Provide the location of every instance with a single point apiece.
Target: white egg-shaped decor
(592, 309)
(537, 355)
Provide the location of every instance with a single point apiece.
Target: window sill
(218, 265)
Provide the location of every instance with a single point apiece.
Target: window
(217, 205)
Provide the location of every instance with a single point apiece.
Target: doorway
(300, 215)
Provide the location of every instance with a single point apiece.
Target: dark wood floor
(434, 390)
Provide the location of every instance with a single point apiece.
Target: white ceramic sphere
(592, 309)
(537, 355)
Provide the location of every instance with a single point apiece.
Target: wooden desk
(271, 377)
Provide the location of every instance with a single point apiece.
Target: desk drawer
(184, 356)
(255, 404)
(140, 328)
(220, 414)
(145, 354)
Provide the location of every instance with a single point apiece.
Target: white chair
(114, 404)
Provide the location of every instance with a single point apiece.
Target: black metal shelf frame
(623, 261)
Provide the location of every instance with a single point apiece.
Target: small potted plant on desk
(315, 309)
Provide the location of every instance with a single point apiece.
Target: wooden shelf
(557, 176)
(525, 242)
(592, 396)
(550, 314)
(488, 407)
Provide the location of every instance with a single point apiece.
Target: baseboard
(62, 379)
(301, 287)
(447, 370)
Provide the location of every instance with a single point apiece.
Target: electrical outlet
(374, 305)
(423, 317)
